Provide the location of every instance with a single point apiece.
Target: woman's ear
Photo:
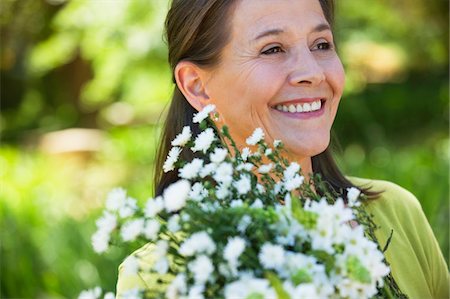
(190, 81)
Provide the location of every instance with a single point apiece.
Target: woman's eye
(273, 50)
(323, 46)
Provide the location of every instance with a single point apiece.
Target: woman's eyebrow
(268, 33)
(319, 28)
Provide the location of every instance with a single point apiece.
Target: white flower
(268, 151)
(257, 204)
(199, 242)
(260, 188)
(271, 256)
(302, 291)
(224, 173)
(291, 171)
(161, 248)
(207, 170)
(183, 137)
(288, 201)
(128, 208)
(107, 222)
(256, 137)
(352, 196)
(185, 217)
(198, 192)
(109, 295)
(236, 203)
(202, 268)
(294, 182)
(265, 168)
(224, 270)
(339, 212)
(351, 289)
(132, 229)
(200, 116)
(162, 263)
(245, 153)
(161, 266)
(248, 285)
(91, 294)
(209, 207)
(296, 261)
(277, 143)
(151, 229)
(277, 187)
(234, 248)
(245, 166)
(218, 156)
(171, 159)
(100, 241)
(203, 140)
(321, 239)
(243, 186)
(173, 224)
(191, 170)
(154, 206)
(175, 195)
(222, 191)
(131, 265)
(177, 287)
(115, 199)
(132, 294)
(196, 292)
(244, 223)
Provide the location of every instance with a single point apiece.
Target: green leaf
(277, 285)
(325, 258)
(306, 218)
(255, 296)
(301, 276)
(357, 271)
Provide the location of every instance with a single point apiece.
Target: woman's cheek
(339, 77)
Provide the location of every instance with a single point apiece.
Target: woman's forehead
(252, 18)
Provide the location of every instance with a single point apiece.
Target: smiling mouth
(307, 107)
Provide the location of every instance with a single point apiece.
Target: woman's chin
(301, 150)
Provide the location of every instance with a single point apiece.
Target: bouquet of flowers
(245, 224)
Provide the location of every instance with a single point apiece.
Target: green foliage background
(101, 65)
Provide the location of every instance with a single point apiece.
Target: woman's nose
(306, 70)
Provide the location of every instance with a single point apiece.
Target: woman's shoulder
(395, 208)
(391, 196)
(416, 261)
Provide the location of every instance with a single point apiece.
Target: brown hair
(197, 31)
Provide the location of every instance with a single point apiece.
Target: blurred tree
(396, 60)
(97, 53)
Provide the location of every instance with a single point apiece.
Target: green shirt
(416, 261)
(414, 255)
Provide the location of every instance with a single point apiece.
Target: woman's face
(279, 72)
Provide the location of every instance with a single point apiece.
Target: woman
(273, 64)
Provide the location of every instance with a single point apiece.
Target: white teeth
(305, 107)
(315, 106)
(292, 109)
